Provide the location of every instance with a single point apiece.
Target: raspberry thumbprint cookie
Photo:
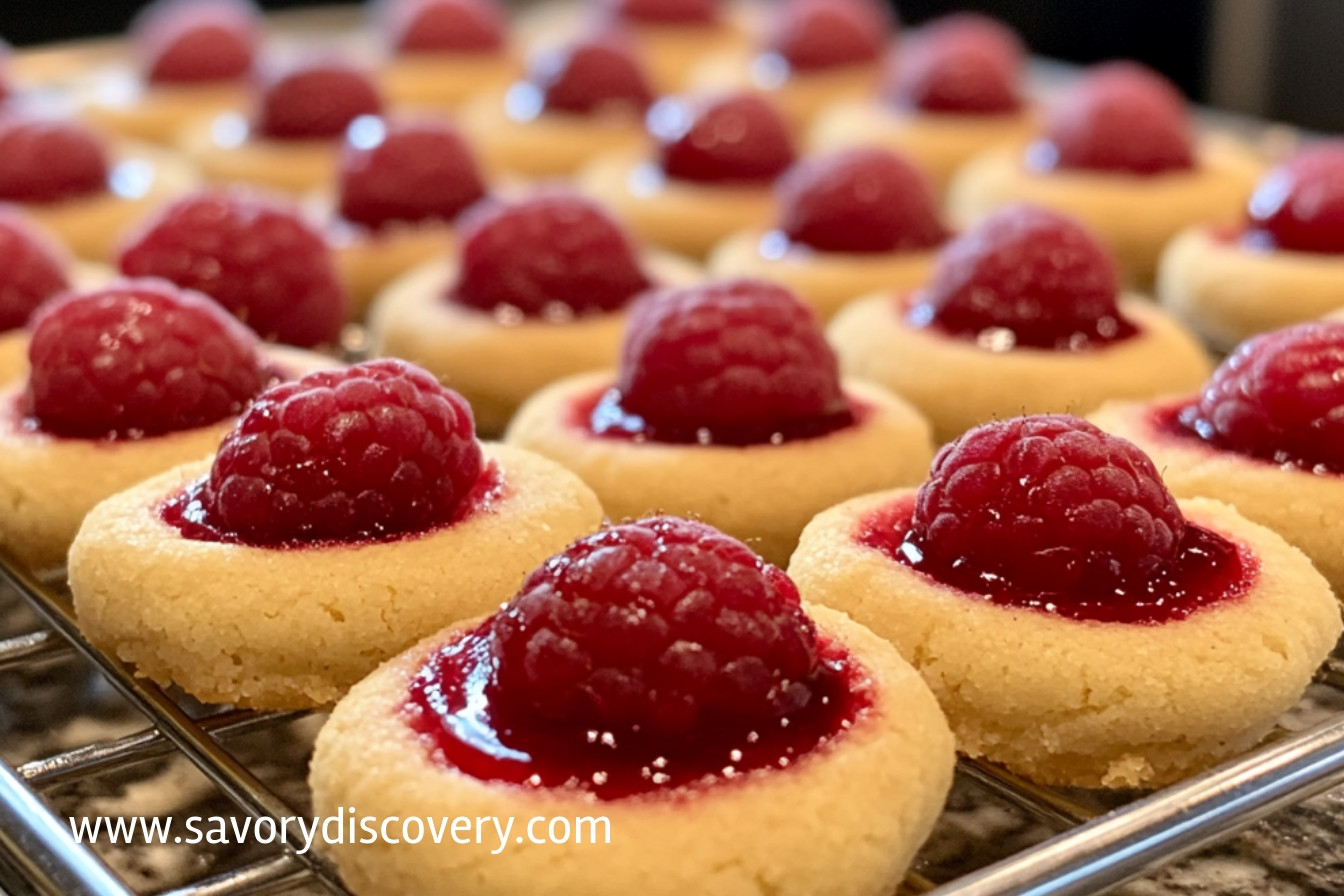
(347, 515)
(1265, 434)
(662, 676)
(124, 381)
(1077, 623)
(727, 406)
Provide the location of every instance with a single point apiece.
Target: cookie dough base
(367, 261)
(158, 112)
(550, 145)
(682, 217)
(1089, 704)
(958, 385)
(1135, 216)
(142, 179)
(293, 628)
(938, 144)
(495, 365)
(762, 494)
(825, 280)
(446, 80)
(227, 152)
(1227, 292)
(845, 820)
(1301, 506)
(801, 96)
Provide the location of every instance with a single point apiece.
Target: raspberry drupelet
(863, 200)
(735, 362)
(368, 452)
(552, 254)
(964, 64)
(1299, 205)
(1032, 274)
(192, 42)
(46, 161)
(33, 268)
(730, 138)
(665, 636)
(406, 171)
(136, 359)
(315, 100)
(444, 26)
(1280, 398)
(1119, 117)
(850, 223)
(255, 256)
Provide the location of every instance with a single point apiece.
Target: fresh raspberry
(553, 253)
(819, 34)
(962, 64)
(661, 630)
(32, 269)
(406, 171)
(1299, 205)
(731, 357)
(137, 358)
(1120, 116)
(596, 76)
(197, 41)
(316, 100)
(737, 137)
(43, 160)
(859, 200)
(445, 26)
(664, 12)
(1031, 272)
(255, 257)
(1280, 397)
(368, 451)
(1046, 503)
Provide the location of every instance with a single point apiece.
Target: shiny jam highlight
(1208, 570)
(449, 704)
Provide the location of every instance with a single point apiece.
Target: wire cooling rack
(1095, 848)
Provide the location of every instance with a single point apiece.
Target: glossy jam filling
(1181, 420)
(449, 704)
(1208, 570)
(600, 414)
(186, 512)
(1105, 331)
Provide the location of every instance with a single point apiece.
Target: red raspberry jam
(1048, 512)
(449, 704)
(601, 414)
(1208, 570)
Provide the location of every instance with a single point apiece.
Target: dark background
(1289, 67)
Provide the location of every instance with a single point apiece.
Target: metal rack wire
(1091, 853)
